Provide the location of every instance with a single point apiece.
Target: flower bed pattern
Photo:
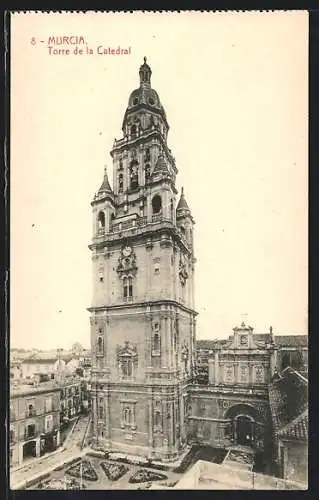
(88, 471)
(143, 475)
(113, 471)
(60, 484)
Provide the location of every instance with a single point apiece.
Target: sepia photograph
(159, 250)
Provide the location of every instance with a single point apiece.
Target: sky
(235, 90)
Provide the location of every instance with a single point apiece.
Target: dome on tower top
(145, 94)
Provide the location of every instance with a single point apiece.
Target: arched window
(101, 411)
(157, 419)
(134, 175)
(100, 345)
(127, 287)
(147, 171)
(156, 204)
(120, 164)
(172, 209)
(101, 221)
(133, 131)
(127, 416)
(121, 183)
(30, 410)
(156, 342)
(147, 154)
(127, 367)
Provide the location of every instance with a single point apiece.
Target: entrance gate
(244, 430)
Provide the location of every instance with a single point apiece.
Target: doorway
(245, 430)
(29, 449)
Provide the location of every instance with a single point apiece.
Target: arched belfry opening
(101, 221)
(156, 204)
(134, 175)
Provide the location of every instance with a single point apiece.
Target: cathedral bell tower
(142, 312)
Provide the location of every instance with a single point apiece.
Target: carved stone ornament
(127, 262)
(184, 352)
(183, 274)
(127, 351)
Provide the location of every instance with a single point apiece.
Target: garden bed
(87, 470)
(60, 484)
(70, 462)
(113, 471)
(130, 460)
(145, 476)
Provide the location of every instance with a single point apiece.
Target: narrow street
(71, 448)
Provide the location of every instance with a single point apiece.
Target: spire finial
(182, 193)
(105, 184)
(145, 73)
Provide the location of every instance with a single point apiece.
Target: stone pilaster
(216, 367)
(37, 447)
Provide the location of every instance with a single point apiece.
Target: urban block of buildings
(40, 411)
(147, 398)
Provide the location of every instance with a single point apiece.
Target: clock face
(127, 251)
(244, 339)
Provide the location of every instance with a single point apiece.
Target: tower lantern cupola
(145, 73)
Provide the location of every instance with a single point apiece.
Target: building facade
(34, 422)
(288, 397)
(74, 398)
(145, 390)
(142, 313)
(48, 363)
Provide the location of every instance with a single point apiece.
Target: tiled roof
(182, 204)
(262, 337)
(47, 356)
(291, 340)
(297, 429)
(210, 344)
(288, 398)
(105, 186)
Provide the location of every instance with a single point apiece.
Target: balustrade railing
(157, 218)
(132, 223)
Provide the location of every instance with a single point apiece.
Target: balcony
(31, 413)
(157, 218)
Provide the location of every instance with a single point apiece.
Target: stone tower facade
(142, 311)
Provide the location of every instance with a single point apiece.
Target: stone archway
(244, 420)
(244, 430)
